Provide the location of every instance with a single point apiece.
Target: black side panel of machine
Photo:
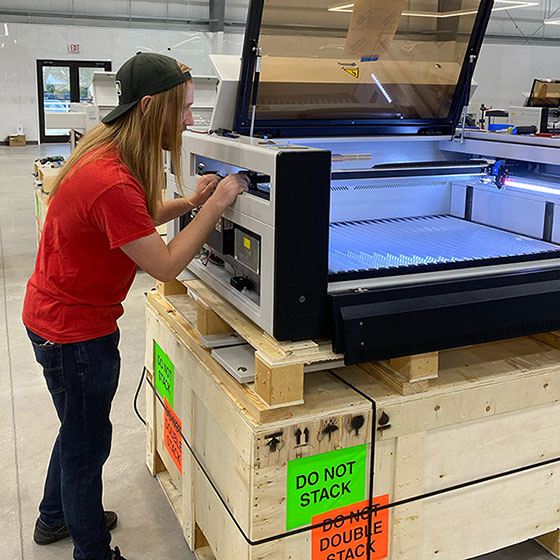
(387, 323)
(302, 193)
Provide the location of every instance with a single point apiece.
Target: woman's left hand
(204, 189)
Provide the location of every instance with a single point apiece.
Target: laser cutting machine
(366, 221)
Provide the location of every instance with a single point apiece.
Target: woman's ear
(144, 102)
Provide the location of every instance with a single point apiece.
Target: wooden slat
(269, 350)
(199, 539)
(209, 322)
(279, 385)
(394, 379)
(551, 338)
(551, 541)
(204, 553)
(151, 455)
(419, 367)
(172, 493)
(408, 519)
(172, 288)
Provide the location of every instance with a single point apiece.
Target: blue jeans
(82, 378)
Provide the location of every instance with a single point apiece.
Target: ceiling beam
(124, 20)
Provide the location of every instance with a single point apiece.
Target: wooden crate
(493, 409)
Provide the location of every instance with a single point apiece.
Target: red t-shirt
(81, 275)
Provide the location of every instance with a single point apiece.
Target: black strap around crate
(371, 510)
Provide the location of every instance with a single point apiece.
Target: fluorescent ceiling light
(6, 31)
(342, 8)
(509, 5)
(552, 21)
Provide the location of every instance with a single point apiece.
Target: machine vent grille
(409, 243)
(339, 188)
(369, 186)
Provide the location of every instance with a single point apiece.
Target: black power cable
(136, 396)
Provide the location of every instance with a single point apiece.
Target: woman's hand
(204, 189)
(229, 188)
(163, 261)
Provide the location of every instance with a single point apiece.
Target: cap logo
(118, 87)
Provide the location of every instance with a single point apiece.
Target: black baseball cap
(144, 74)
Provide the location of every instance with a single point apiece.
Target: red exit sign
(74, 48)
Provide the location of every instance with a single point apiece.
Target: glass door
(59, 84)
(85, 79)
(56, 97)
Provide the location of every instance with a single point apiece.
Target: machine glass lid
(392, 60)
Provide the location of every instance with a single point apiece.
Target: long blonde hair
(138, 136)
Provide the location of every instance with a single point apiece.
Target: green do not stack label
(324, 482)
(164, 372)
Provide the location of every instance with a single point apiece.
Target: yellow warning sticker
(354, 72)
(247, 243)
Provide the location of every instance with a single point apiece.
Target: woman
(100, 226)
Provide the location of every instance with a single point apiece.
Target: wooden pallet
(280, 366)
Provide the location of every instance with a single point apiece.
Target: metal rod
(258, 59)
(470, 73)
(463, 126)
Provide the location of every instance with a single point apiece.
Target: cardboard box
(47, 177)
(17, 140)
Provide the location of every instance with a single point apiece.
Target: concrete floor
(28, 425)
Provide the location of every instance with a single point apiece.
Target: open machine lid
(353, 67)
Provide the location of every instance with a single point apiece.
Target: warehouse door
(59, 83)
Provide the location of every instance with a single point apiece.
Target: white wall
(26, 43)
(505, 72)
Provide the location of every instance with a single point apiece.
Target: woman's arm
(171, 209)
(165, 262)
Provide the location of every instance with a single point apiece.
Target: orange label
(346, 531)
(172, 436)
